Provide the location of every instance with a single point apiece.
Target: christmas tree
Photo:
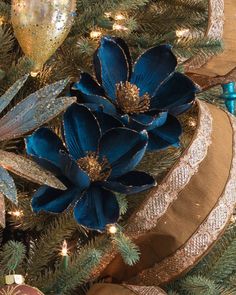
(56, 253)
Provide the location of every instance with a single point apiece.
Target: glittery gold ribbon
(190, 236)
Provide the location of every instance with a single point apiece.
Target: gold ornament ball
(15, 289)
(41, 26)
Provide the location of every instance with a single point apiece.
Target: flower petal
(82, 131)
(152, 68)
(114, 66)
(149, 120)
(45, 144)
(123, 148)
(177, 91)
(181, 109)
(160, 118)
(87, 85)
(125, 48)
(107, 121)
(166, 135)
(97, 208)
(100, 101)
(97, 67)
(73, 172)
(131, 183)
(53, 200)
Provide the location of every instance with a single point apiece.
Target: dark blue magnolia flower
(94, 162)
(145, 97)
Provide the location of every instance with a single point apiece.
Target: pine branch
(11, 256)
(128, 250)
(197, 285)
(47, 246)
(6, 45)
(82, 265)
(5, 12)
(22, 67)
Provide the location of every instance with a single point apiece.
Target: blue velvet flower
(146, 96)
(94, 161)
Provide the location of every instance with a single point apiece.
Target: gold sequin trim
(159, 199)
(141, 290)
(202, 240)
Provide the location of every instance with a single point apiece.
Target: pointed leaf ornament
(2, 211)
(28, 169)
(7, 186)
(8, 189)
(6, 98)
(35, 110)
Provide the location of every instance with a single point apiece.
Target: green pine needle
(128, 250)
(11, 256)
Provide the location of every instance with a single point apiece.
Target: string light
(1, 20)
(34, 74)
(119, 17)
(182, 33)
(112, 229)
(95, 34)
(118, 27)
(17, 213)
(107, 14)
(64, 254)
(192, 123)
(64, 249)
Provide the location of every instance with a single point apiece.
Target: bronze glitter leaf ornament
(32, 112)
(41, 26)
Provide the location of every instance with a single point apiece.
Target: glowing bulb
(119, 17)
(1, 20)
(107, 14)
(182, 33)
(95, 34)
(16, 213)
(119, 27)
(34, 74)
(192, 123)
(64, 249)
(112, 229)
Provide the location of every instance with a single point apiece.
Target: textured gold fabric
(111, 289)
(192, 206)
(194, 218)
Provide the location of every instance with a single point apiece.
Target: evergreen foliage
(214, 274)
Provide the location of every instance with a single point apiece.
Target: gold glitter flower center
(128, 99)
(97, 170)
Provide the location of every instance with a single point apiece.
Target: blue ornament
(229, 96)
(96, 160)
(143, 96)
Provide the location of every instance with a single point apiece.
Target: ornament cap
(14, 279)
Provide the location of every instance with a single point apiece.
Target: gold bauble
(41, 26)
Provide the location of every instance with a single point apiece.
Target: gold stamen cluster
(97, 170)
(128, 99)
